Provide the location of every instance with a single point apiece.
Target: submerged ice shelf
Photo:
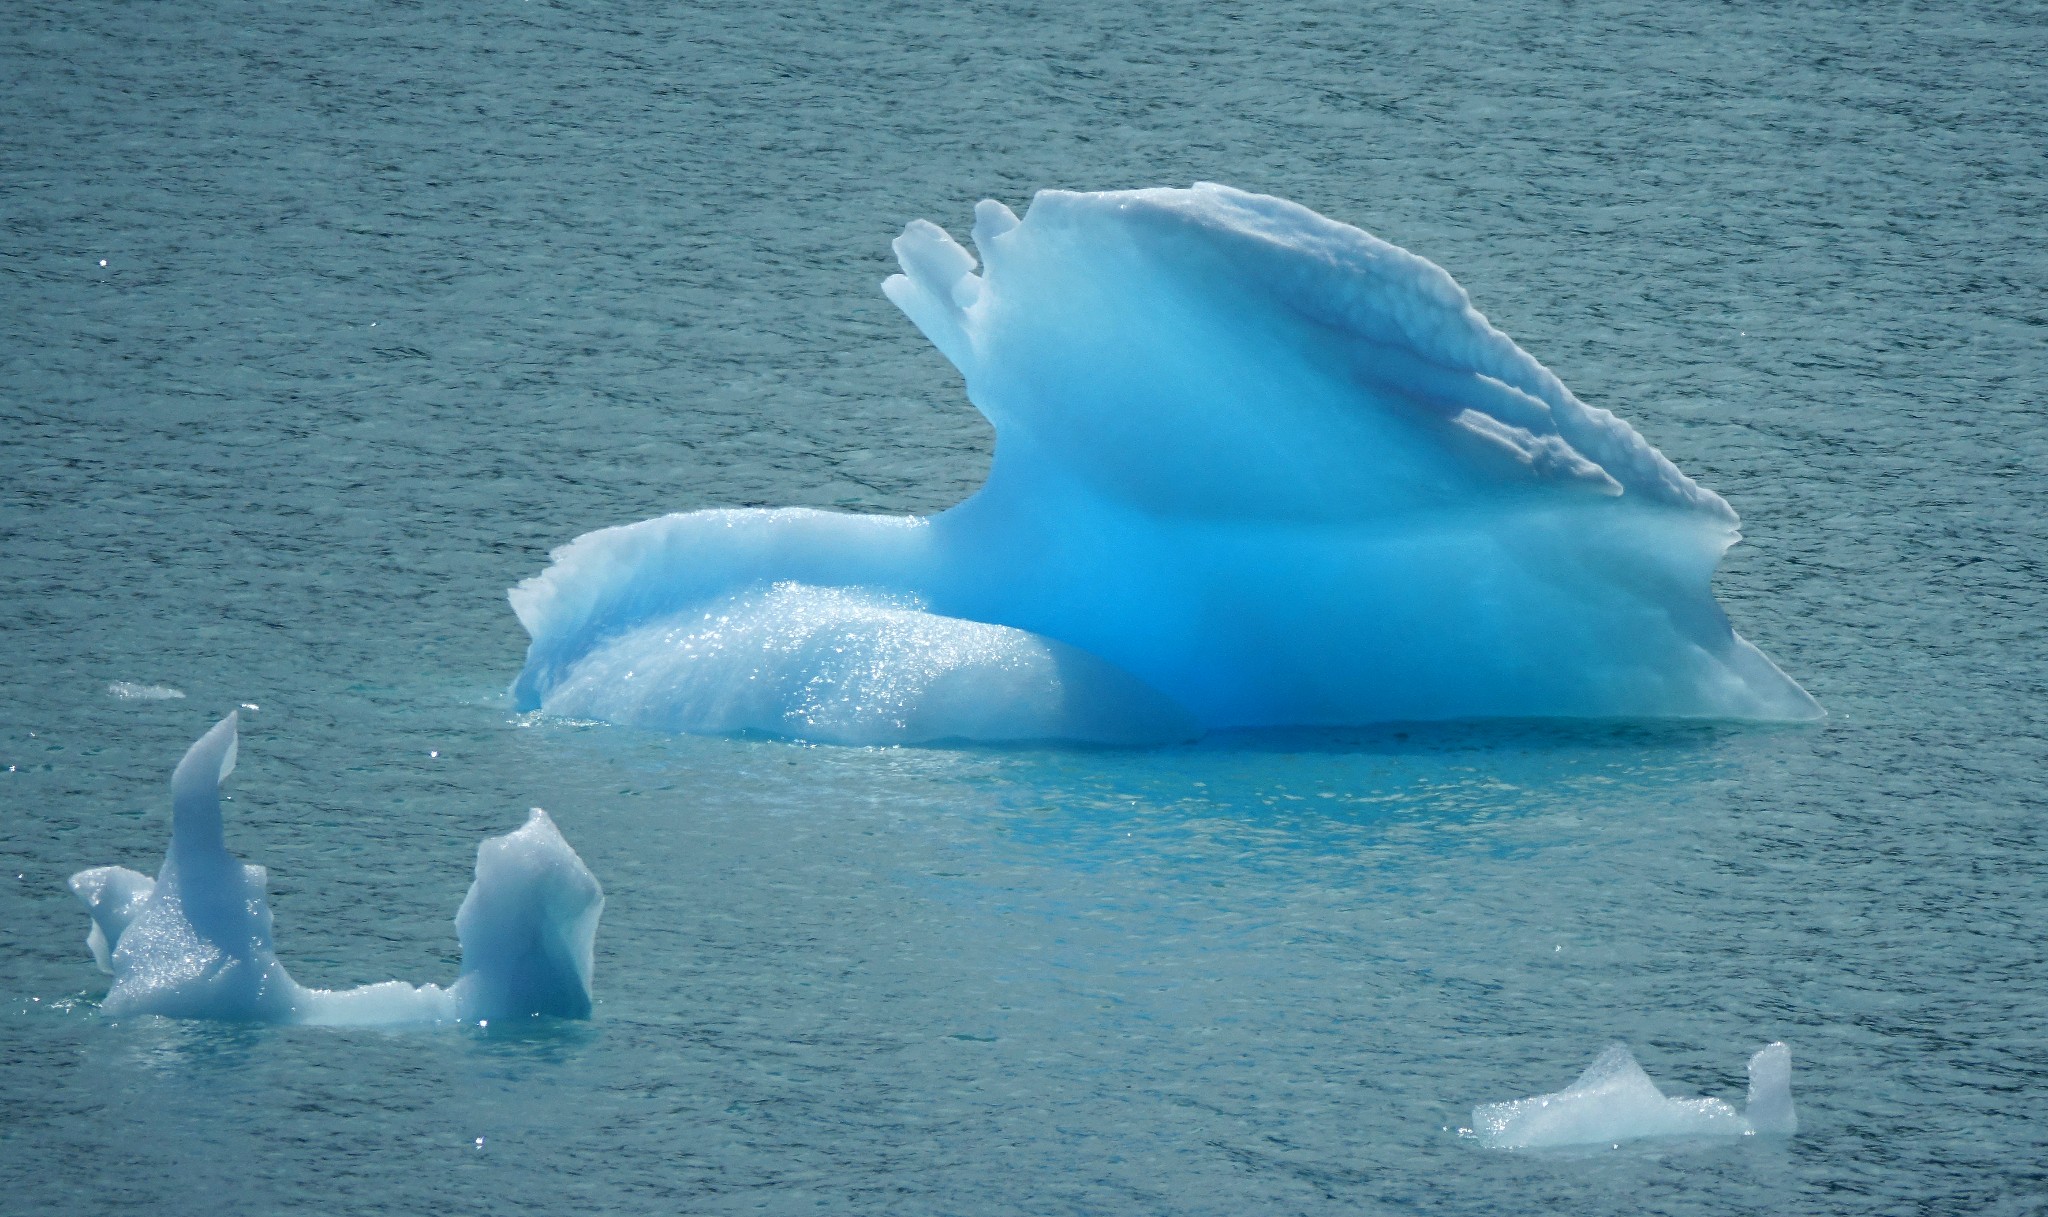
(1253, 467)
(1614, 1100)
(195, 942)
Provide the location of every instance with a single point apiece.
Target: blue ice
(1253, 467)
(1615, 1101)
(195, 942)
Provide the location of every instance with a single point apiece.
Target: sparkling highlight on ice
(845, 666)
(195, 942)
(1251, 463)
(1615, 1101)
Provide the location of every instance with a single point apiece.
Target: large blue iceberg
(195, 942)
(1253, 468)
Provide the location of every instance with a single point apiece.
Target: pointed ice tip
(195, 788)
(211, 758)
(991, 220)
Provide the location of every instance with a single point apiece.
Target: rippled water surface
(320, 324)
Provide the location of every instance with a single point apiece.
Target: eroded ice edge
(1253, 467)
(1615, 1101)
(195, 942)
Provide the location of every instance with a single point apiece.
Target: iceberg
(195, 942)
(1253, 468)
(1614, 1101)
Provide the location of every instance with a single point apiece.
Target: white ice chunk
(528, 927)
(991, 220)
(1267, 465)
(113, 895)
(196, 942)
(1614, 1101)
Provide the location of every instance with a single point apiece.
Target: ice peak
(195, 790)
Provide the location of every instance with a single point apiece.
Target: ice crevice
(196, 941)
(1253, 467)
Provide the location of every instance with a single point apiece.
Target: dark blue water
(396, 297)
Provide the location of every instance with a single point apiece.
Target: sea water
(322, 324)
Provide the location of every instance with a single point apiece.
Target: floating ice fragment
(528, 927)
(195, 942)
(1258, 464)
(1615, 1101)
(129, 691)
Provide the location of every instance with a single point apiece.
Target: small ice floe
(195, 942)
(128, 690)
(1614, 1101)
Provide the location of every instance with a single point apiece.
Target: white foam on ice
(196, 941)
(1271, 467)
(1615, 1101)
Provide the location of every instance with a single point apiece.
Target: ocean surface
(320, 324)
